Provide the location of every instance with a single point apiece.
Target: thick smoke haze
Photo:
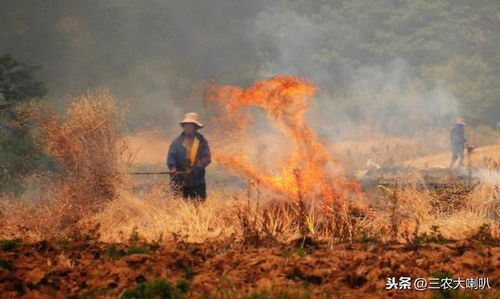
(157, 55)
(149, 53)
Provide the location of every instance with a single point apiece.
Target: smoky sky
(144, 51)
(94, 40)
(156, 55)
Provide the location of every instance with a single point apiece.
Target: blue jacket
(457, 136)
(177, 156)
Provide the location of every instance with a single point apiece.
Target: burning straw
(308, 174)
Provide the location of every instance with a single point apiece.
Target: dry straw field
(86, 231)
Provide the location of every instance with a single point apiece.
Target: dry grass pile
(244, 221)
(411, 213)
(164, 215)
(86, 144)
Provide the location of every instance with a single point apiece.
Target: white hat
(191, 117)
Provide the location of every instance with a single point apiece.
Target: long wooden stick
(160, 172)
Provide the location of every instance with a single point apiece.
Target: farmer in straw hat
(187, 158)
(458, 140)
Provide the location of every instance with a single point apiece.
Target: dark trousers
(195, 192)
(458, 153)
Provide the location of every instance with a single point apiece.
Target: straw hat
(461, 120)
(191, 117)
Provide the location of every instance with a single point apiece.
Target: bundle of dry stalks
(478, 208)
(87, 146)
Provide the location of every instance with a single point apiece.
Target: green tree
(454, 43)
(475, 83)
(17, 152)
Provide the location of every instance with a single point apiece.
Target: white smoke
(487, 176)
(390, 96)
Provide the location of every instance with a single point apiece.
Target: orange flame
(286, 100)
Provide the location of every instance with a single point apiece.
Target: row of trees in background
(156, 50)
(447, 42)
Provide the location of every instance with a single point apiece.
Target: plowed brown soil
(91, 269)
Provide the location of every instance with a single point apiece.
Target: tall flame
(286, 100)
